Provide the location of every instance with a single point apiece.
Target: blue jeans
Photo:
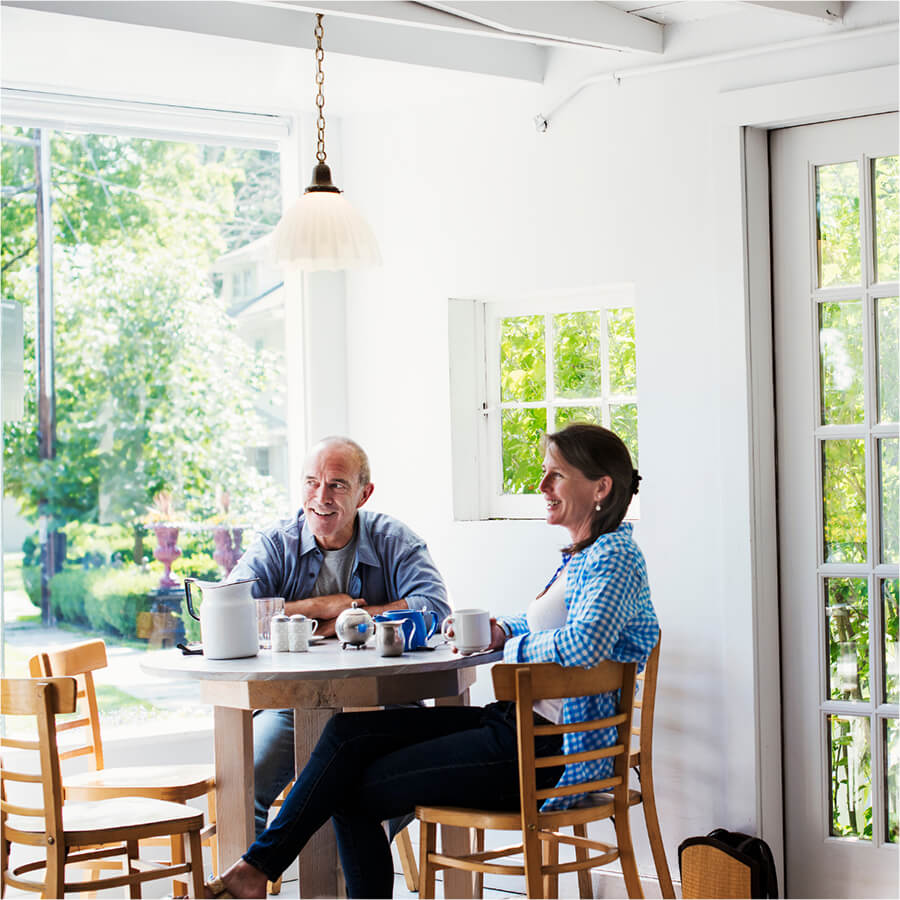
(372, 766)
(274, 767)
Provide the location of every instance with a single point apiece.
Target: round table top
(325, 660)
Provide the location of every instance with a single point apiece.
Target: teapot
(228, 626)
(354, 627)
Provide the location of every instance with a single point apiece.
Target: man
(329, 555)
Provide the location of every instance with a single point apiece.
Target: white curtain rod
(542, 120)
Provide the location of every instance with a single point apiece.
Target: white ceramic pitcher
(228, 626)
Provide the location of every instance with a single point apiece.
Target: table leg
(457, 841)
(234, 783)
(320, 869)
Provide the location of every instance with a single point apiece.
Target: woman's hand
(498, 637)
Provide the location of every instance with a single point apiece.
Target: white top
(547, 612)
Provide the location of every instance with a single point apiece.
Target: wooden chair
(174, 783)
(641, 761)
(541, 868)
(80, 832)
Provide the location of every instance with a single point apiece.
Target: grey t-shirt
(337, 567)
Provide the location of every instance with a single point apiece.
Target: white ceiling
(380, 55)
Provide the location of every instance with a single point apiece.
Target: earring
(598, 507)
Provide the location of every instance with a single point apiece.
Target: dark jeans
(372, 766)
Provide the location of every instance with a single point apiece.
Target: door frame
(746, 116)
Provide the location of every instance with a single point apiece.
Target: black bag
(751, 852)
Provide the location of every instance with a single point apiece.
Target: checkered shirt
(608, 616)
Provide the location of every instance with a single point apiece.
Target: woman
(372, 766)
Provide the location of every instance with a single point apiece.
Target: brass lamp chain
(320, 93)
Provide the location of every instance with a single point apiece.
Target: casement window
(520, 368)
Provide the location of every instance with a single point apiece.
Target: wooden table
(317, 684)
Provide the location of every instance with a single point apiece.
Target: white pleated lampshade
(323, 231)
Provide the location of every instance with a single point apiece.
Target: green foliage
(887, 317)
(71, 593)
(522, 430)
(522, 360)
(154, 387)
(31, 578)
(578, 375)
(844, 492)
(576, 345)
(886, 191)
(118, 595)
(837, 206)
(841, 361)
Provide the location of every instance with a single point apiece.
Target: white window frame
(475, 407)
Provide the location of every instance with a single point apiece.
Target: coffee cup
(418, 635)
(266, 607)
(471, 629)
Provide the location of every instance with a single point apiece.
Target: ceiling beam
(831, 11)
(471, 48)
(563, 21)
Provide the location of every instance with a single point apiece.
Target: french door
(835, 217)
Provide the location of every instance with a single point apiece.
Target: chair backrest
(645, 703)
(546, 681)
(79, 661)
(43, 699)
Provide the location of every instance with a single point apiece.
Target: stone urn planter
(167, 552)
(228, 547)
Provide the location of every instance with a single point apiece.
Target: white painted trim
(163, 121)
(762, 108)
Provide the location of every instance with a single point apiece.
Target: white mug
(471, 629)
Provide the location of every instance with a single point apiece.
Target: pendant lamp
(322, 230)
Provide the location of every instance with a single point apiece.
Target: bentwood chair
(174, 783)
(78, 832)
(540, 831)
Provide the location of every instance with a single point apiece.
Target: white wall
(637, 183)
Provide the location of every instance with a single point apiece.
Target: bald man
(329, 555)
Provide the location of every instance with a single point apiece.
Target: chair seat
(512, 821)
(173, 783)
(90, 823)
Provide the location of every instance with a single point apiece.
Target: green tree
(154, 387)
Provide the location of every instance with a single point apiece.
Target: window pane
(623, 420)
(887, 325)
(841, 362)
(566, 415)
(844, 500)
(847, 621)
(851, 771)
(889, 592)
(892, 755)
(576, 351)
(887, 218)
(622, 363)
(522, 430)
(837, 224)
(522, 363)
(889, 485)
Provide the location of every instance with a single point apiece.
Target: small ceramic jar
(300, 630)
(280, 635)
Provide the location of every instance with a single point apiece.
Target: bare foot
(241, 880)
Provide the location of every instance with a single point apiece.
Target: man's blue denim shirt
(392, 563)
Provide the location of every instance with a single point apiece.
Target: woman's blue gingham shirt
(608, 616)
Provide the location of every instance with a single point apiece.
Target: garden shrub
(118, 596)
(70, 592)
(31, 578)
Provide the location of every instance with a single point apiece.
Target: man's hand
(329, 606)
